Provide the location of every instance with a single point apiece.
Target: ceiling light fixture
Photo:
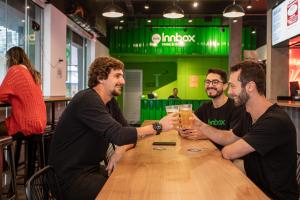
(249, 6)
(147, 6)
(195, 4)
(233, 11)
(173, 12)
(112, 11)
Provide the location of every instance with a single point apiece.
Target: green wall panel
(167, 72)
(162, 38)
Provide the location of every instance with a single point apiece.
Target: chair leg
(17, 153)
(12, 193)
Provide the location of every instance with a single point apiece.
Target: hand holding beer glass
(186, 116)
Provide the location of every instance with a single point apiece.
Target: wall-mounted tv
(285, 21)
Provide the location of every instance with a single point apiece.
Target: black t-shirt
(272, 167)
(173, 97)
(225, 117)
(82, 136)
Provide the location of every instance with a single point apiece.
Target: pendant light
(233, 11)
(112, 11)
(173, 12)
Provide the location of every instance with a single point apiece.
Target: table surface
(175, 173)
(47, 99)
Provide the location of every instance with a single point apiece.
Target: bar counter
(286, 103)
(177, 172)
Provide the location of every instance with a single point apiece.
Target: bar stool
(6, 150)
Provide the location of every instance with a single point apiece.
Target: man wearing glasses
(220, 112)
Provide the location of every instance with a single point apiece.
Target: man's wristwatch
(157, 127)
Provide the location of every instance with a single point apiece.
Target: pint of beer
(172, 108)
(186, 112)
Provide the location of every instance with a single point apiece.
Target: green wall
(155, 74)
(175, 72)
(198, 67)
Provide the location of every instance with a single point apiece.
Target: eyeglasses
(213, 82)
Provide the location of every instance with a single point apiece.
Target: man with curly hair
(86, 128)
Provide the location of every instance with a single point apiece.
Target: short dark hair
(220, 72)
(100, 69)
(251, 71)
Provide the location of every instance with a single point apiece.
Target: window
(76, 62)
(16, 29)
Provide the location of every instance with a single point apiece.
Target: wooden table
(174, 173)
(2, 104)
(53, 100)
(48, 99)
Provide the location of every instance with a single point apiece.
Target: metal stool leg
(13, 188)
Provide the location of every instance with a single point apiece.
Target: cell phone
(164, 143)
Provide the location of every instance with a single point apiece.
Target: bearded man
(220, 112)
(267, 143)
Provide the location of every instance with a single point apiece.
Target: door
(133, 91)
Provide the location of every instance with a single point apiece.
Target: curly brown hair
(17, 56)
(100, 69)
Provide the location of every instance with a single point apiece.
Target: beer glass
(186, 112)
(172, 109)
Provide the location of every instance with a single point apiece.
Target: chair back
(43, 185)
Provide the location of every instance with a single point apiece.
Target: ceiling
(255, 17)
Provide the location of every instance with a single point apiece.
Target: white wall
(262, 52)
(101, 50)
(54, 72)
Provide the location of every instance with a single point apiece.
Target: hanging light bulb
(249, 6)
(173, 12)
(233, 10)
(112, 11)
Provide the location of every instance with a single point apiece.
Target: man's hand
(169, 122)
(192, 134)
(197, 123)
(116, 157)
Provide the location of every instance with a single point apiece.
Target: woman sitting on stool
(21, 88)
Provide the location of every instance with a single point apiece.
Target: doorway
(133, 91)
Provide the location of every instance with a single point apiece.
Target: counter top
(286, 103)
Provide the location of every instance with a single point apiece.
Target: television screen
(285, 21)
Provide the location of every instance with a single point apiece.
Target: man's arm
(222, 137)
(192, 134)
(237, 149)
(168, 123)
(116, 157)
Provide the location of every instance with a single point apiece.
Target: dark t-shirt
(82, 136)
(272, 167)
(225, 117)
(173, 97)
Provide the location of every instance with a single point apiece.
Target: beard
(117, 91)
(242, 98)
(217, 94)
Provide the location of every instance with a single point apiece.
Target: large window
(76, 62)
(20, 25)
